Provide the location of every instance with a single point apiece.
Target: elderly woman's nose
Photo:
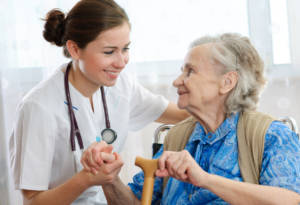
(178, 81)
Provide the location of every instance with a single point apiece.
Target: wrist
(207, 180)
(86, 178)
(114, 182)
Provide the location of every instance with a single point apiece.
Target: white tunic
(40, 150)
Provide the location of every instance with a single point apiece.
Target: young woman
(84, 100)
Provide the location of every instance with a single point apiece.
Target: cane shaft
(147, 191)
(149, 167)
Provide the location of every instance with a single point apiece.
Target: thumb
(107, 157)
(108, 149)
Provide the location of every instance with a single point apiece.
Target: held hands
(103, 165)
(182, 166)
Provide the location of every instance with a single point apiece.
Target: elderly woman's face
(198, 85)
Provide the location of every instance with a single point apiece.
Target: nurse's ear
(73, 49)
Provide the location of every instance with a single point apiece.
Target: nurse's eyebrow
(114, 47)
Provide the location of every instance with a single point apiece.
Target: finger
(162, 160)
(99, 146)
(90, 158)
(116, 164)
(169, 165)
(83, 162)
(90, 155)
(107, 158)
(96, 148)
(117, 156)
(176, 161)
(108, 149)
(94, 171)
(86, 159)
(97, 157)
(181, 172)
(161, 173)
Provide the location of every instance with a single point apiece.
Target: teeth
(112, 72)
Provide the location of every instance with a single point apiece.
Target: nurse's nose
(121, 60)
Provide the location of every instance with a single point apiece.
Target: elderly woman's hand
(182, 166)
(95, 155)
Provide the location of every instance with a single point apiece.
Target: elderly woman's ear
(228, 82)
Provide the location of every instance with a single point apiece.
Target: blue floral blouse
(217, 153)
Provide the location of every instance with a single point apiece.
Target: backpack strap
(251, 131)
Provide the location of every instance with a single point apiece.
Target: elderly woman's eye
(189, 72)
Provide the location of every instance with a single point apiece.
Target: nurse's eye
(108, 52)
(125, 49)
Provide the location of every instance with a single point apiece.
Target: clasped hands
(105, 165)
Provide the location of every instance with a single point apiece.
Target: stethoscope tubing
(74, 126)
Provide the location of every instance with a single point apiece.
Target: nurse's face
(102, 60)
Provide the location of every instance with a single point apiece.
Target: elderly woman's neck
(210, 120)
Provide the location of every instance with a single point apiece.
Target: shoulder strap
(177, 137)
(251, 131)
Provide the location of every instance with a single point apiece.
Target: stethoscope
(107, 134)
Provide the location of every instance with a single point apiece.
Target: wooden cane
(149, 166)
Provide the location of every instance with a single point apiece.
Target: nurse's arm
(64, 194)
(172, 115)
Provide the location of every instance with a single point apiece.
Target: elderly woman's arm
(236, 192)
(182, 166)
(118, 193)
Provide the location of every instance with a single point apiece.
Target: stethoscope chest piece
(108, 135)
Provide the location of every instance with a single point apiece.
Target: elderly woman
(220, 82)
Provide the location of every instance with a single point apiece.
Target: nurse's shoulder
(47, 93)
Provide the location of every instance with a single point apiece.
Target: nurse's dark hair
(85, 21)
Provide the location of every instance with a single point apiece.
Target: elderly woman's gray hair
(236, 53)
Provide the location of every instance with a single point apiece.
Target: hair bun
(54, 27)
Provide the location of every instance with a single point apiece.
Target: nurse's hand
(107, 172)
(182, 166)
(95, 155)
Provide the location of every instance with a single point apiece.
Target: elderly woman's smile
(200, 84)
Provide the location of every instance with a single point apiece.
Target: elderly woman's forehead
(200, 51)
(202, 47)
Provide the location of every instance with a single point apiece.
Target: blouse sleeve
(280, 165)
(32, 147)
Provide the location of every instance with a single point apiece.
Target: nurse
(86, 99)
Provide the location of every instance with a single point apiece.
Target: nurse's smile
(112, 74)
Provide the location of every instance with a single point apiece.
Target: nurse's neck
(86, 87)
